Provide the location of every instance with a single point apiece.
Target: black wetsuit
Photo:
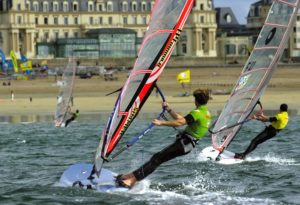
(183, 144)
(265, 135)
(70, 119)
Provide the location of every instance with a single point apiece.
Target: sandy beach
(89, 94)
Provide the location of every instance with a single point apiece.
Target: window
(27, 5)
(91, 8)
(66, 20)
(125, 6)
(19, 7)
(35, 7)
(76, 35)
(144, 6)
(243, 49)
(76, 20)
(109, 6)
(46, 35)
(184, 49)
(125, 21)
(228, 18)
(201, 7)
(66, 34)
(100, 7)
(134, 20)
(45, 7)
(134, 6)
(110, 20)
(55, 7)
(19, 19)
(144, 20)
(55, 20)
(201, 19)
(100, 20)
(75, 7)
(91, 20)
(230, 49)
(66, 7)
(45, 20)
(56, 34)
(36, 20)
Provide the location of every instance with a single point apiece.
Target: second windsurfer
(278, 123)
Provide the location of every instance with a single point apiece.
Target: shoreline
(89, 94)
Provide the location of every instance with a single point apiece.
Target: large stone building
(40, 28)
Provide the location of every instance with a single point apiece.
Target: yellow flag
(184, 77)
(14, 61)
(26, 66)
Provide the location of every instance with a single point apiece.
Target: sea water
(34, 155)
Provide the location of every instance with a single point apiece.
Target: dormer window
(35, 6)
(228, 18)
(125, 6)
(109, 6)
(45, 7)
(75, 6)
(144, 6)
(66, 7)
(134, 6)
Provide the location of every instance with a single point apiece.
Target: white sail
(65, 93)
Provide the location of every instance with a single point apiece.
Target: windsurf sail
(167, 20)
(14, 61)
(65, 93)
(257, 72)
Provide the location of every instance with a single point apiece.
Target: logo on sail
(242, 82)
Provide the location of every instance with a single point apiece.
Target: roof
(221, 16)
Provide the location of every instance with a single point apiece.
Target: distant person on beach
(12, 95)
(197, 121)
(74, 115)
(278, 122)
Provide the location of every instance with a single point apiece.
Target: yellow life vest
(282, 120)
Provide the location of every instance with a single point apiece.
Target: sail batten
(257, 71)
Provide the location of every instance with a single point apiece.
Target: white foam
(272, 159)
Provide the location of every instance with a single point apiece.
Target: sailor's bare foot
(127, 180)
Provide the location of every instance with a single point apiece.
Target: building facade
(232, 39)
(34, 27)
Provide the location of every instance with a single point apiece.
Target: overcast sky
(239, 7)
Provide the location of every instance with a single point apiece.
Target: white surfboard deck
(226, 157)
(77, 174)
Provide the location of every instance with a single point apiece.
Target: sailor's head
(284, 107)
(201, 96)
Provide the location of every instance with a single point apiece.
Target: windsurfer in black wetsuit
(197, 121)
(278, 122)
(72, 118)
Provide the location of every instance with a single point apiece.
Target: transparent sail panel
(166, 15)
(145, 61)
(280, 14)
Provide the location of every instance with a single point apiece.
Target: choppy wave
(34, 155)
